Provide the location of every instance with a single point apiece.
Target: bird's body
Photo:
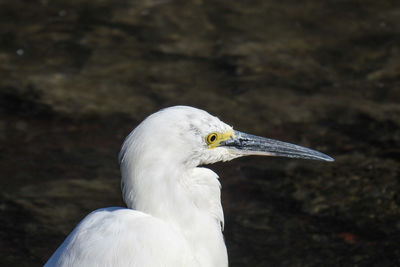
(174, 215)
(123, 237)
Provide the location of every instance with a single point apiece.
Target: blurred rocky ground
(76, 76)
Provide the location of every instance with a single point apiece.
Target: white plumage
(174, 215)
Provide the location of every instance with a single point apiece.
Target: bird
(173, 214)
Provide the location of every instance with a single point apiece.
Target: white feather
(174, 215)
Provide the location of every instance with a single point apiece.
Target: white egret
(174, 215)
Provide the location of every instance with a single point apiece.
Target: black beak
(247, 144)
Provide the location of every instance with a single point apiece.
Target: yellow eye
(211, 138)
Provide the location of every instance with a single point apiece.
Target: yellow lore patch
(214, 139)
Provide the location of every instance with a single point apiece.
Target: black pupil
(212, 138)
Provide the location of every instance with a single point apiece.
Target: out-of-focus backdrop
(76, 76)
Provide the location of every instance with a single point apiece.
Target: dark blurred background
(77, 76)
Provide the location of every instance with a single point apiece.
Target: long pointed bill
(247, 144)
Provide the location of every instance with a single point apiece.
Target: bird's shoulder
(122, 237)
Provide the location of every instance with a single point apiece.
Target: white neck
(187, 198)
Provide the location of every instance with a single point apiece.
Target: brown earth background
(77, 76)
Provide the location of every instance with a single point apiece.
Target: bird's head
(192, 137)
